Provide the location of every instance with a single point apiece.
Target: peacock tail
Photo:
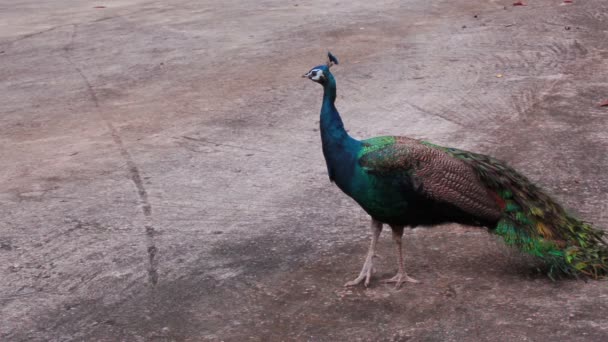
(535, 223)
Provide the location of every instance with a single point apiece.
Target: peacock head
(321, 73)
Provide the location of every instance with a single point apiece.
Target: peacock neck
(332, 127)
(339, 148)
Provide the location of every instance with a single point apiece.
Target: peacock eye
(314, 73)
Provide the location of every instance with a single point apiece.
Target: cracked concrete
(163, 179)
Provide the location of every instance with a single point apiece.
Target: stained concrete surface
(162, 178)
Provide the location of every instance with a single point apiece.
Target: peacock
(404, 182)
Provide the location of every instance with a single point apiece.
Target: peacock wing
(433, 174)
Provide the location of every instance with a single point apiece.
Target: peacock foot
(400, 278)
(366, 273)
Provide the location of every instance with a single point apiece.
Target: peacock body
(406, 182)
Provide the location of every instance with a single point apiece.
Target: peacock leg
(401, 276)
(368, 266)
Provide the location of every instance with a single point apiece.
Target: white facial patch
(316, 74)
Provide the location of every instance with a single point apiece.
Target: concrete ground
(162, 177)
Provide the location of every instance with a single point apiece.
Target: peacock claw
(365, 274)
(399, 279)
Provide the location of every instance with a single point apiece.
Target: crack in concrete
(132, 167)
(214, 143)
(444, 117)
(30, 35)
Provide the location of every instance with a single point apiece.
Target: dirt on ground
(162, 176)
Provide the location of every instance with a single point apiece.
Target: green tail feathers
(536, 224)
(583, 252)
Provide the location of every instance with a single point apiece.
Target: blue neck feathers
(339, 148)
